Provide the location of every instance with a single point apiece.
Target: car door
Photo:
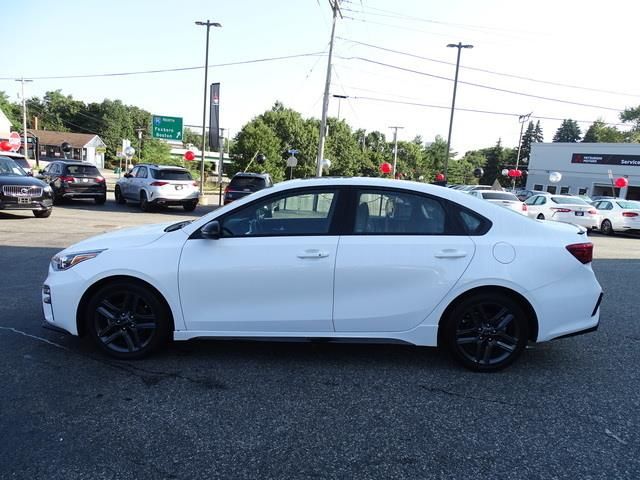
(403, 256)
(138, 182)
(126, 183)
(270, 271)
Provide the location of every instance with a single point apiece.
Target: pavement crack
(609, 433)
(35, 337)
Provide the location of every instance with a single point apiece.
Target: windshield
(629, 204)
(568, 201)
(166, 174)
(499, 196)
(11, 168)
(247, 183)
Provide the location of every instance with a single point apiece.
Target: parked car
(618, 215)
(563, 208)
(333, 258)
(523, 194)
(469, 188)
(502, 199)
(74, 180)
(158, 185)
(20, 160)
(19, 191)
(243, 184)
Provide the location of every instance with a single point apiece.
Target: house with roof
(5, 126)
(86, 147)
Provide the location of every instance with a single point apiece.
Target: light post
(395, 150)
(139, 132)
(459, 46)
(522, 119)
(207, 24)
(24, 122)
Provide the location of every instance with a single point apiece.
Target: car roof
(161, 167)
(73, 162)
(251, 174)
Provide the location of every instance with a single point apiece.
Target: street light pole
(207, 24)
(459, 46)
(522, 119)
(395, 149)
(325, 101)
(24, 122)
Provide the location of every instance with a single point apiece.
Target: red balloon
(439, 177)
(5, 146)
(512, 173)
(518, 173)
(621, 182)
(386, 167)
(189, 155)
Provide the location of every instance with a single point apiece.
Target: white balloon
(326, 164)
(505, 172)
(129, 151)
(555, 177)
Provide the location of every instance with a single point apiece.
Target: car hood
(124, 238)
(26, 181)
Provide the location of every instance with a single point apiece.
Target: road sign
(166, 128)
(15, 141)
(292, 161)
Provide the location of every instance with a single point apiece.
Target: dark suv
(70, 179)
(243, 184)
(19, 191)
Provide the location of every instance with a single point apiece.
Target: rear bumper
(87, 192)
(173, 201)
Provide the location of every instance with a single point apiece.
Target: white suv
(152, 185)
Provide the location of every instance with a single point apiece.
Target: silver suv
(152, 185)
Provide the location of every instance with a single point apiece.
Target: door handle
(313, 254)
(450, 253)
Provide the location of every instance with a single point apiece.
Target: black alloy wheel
(127, 320)
(42, 213)
(119, 198)
(606, 228)
(486, 332)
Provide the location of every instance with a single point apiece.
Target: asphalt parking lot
(227, 409)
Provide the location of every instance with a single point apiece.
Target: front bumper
(17, 203)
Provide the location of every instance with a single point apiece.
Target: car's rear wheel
(540, 216)
(606, 227)
(100, 200)
(145, 206)
(127, 320)
(485, 332)
(119, 197)
(42, 213)
(190, 206)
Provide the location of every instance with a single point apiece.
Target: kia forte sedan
(340, 259)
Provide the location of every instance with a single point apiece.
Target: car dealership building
(586, 168)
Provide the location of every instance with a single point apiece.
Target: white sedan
(563, 208)
(502, 199)
(341, 259)
(618, 215)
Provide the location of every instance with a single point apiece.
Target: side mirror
(30, 173)
(211, 230)
(127, 175)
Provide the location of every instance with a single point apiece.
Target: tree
(569, 132)
(600, 132)
(527, 140)
(12, 110)
(538, 136)
(632, 115)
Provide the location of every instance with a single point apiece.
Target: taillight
(592, 212)
(561, 210)
(226, 189)
(582, 251)
(524, 207)
(629, 214)
(65, 179)
(99, 179)
(159, 184)
(195, 184)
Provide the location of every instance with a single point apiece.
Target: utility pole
(139, 132)
(207, 24)
(459, 46)
(339, 97)
(325, 102)
(522, 119)
(395, 149)
(24, 121)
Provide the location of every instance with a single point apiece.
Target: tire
(190, 206)
(127, 320)
(100, 200)
(42, 213)
(485, 332)
(145, 206)
(540, 216)
(119, 197)
(606, 228)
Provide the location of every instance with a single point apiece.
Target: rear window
(88, 170)
(251, 183)
(499, 196)
(165, 174)
(568, 201)
(627, 204)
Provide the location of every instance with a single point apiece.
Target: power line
(519, 77)
(166, 70)
(479, 85)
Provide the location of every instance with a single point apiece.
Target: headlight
(68, 260)
(48, 189)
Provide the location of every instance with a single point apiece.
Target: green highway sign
(167, 128)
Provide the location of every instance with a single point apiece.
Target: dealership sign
(594, 159)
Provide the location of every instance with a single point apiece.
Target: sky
(586, 46)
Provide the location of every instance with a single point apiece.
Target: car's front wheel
(42, 213)
(606, 227)
(485, 332)
(127, 320)
(540, 216)
(145, 206)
